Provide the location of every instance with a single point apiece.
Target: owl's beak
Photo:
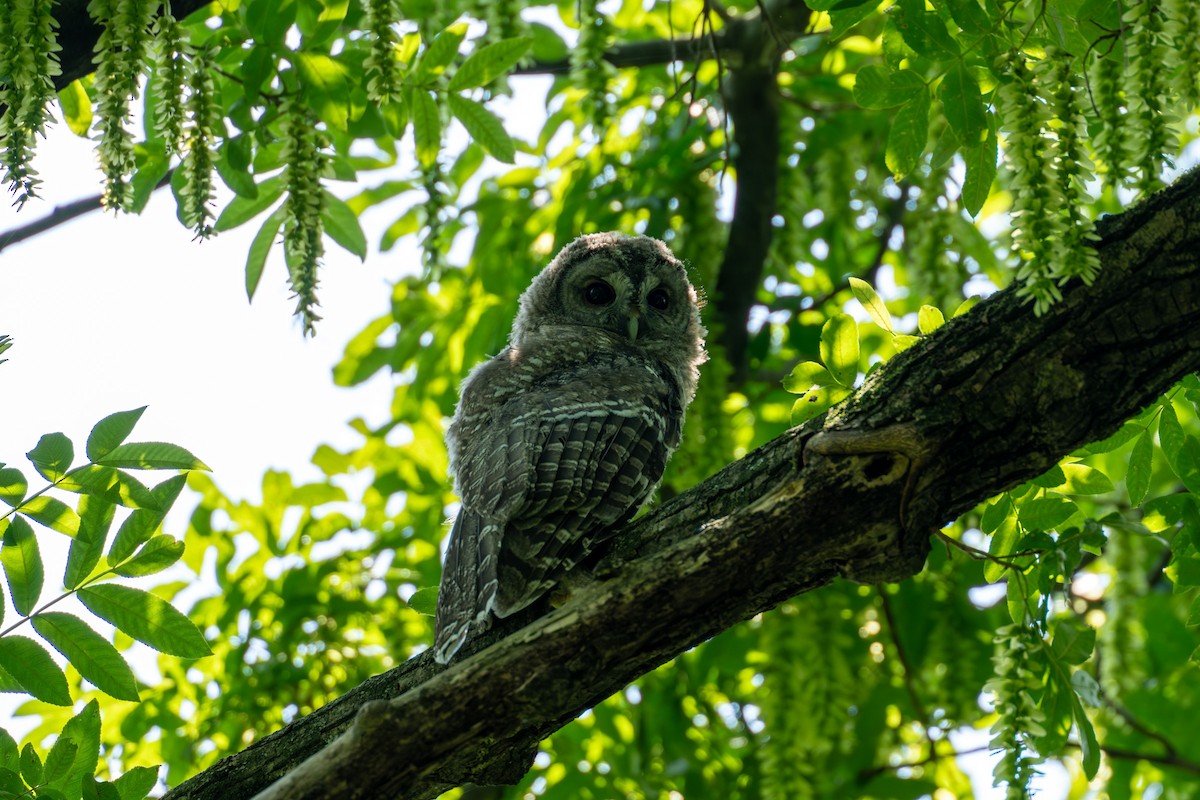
(633, 328)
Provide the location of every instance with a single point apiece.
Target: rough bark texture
(992, 399)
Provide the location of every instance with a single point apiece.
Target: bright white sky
(110, 313)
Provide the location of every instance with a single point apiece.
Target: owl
(563, 435)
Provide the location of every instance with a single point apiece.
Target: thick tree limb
(991, 400)
(752, 101)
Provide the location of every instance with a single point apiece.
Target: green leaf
(152, 455)
(84, 730)
(969, 16)
(1045, 513)
(54, 514)
(139, 526)
(489, 62)
(816, 402)
(929, 319)
(12, 486)
(137, 782)
(981, 173)
(95, 518)
(31, 765)
(845, 15)
(76, 107)
(328, 87)
(318, 22)
(52, 456)
(242, 209)
(1170, 433)
(424, 601)
(1123, 434)
(1082, 479)
(924, 31)
(22, 560)
(9, 755)
(111, 484)
(59, 759)
(963, 105)
(269, 20)
(909, 133)
(111, 431)
(342, 225)
(427, 127)
(1187, 464)
(240, 180)
(878, 87)
(256, 258)
(484, 127)
(1073, 644)
(995, 513)
(147, 618)
(1086, 687)
(31, 666)
(395, 119)
(805, 375)
(903, 341)
(155, 556)
(548, 46)
(1003, 543)
(1184, 572)
(1088, 745)
(945, 148)
(441, 51)
(89, 652)
(874, 305)
(839, 348)
(1017, 603)
(1193, 619)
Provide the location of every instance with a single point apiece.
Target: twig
(866, 775)
(906, 665)
(61, 214)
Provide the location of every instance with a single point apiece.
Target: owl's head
(630, 286)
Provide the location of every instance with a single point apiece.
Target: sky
(111, 313)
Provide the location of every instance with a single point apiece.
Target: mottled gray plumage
(564, 434)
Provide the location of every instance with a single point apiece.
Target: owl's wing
(575, 472)
(468, 586)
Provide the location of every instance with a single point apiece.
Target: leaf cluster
(101, 486)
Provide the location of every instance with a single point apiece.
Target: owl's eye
(659, 299)
(598, 293)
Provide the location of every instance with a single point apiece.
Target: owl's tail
(468, 589)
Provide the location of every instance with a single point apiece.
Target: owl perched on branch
(564, 435)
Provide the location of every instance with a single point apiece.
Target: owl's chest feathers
(576, 371)
(565, 375)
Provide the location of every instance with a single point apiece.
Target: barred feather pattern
(563, 436)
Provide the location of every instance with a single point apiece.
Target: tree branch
(993, 399)
(753, 50)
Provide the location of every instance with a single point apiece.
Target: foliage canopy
(903, 155)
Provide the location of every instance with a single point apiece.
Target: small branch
(1136, 725)
(1173, 760)
(61, 214)
(867, 775)
(905, 664)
